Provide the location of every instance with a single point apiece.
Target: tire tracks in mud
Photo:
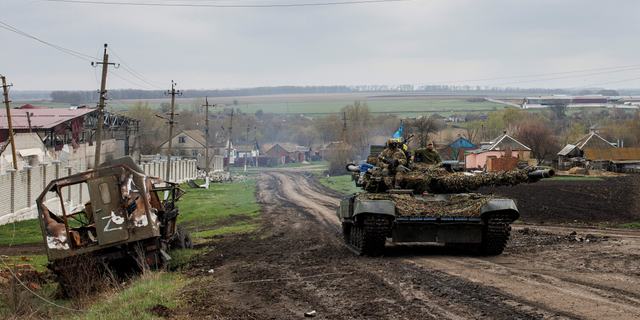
(439, 282)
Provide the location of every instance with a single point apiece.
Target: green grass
(39, 261)
(25, 232)
(300, 164)
(202, 209)
(133, 302)
(403, 108)
(575, 179)
(630, 225)
(342, 184)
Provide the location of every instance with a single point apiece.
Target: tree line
(88, 97)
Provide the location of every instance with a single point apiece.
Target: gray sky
(405, 42)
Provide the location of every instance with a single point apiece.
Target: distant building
(456, 149)
(503, 146)
(593, 101)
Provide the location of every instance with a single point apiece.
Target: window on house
(182, 139)
(277, 149)
(194, 153)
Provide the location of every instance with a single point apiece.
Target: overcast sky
(582, 43)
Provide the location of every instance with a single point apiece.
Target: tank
(433, 205)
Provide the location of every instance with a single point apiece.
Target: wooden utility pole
(343, 135)
(173, 93)
(246, 149)
(206, 134)
(5, 88)
(229, 146)
(105, 63)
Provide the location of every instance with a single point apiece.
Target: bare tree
(538, 136)
(473, 131)
(359, 126)
(423, 127)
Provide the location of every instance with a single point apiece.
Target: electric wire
(65, 50)
(127, 80)
(133, 72)
(27, 287)
(633, 66)
(152, 4)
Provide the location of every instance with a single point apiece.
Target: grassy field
(401, 107)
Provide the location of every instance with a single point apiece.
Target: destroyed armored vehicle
(433, 205)
(114, 213)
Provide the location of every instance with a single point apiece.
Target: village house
(501, 153)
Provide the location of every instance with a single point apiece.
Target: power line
(152, 4)
(65, 50)
(633, 67)
(136, 74)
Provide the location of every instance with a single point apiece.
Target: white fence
(21, 188)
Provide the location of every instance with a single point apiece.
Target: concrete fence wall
(19, 189)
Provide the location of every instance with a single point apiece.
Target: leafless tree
(473, 131)
(538, 136)
(422, 128)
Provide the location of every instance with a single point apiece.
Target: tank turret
(434, 179)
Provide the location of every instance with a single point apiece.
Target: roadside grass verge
(203, 212)
(25, 232)
(633, 225)
(300, 164)
(342, 184)
(574, 179)
(134, 302)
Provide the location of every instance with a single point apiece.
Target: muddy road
(296, 264)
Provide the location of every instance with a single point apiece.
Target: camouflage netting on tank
(441, 181)
(460, 206)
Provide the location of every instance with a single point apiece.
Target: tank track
(496, 234)
(494, 237)
(367, 238)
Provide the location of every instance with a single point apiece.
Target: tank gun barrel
(459, 183)
(542, 173)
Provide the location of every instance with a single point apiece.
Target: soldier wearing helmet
(393, 164)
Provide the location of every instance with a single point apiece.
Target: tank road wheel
(495, 235)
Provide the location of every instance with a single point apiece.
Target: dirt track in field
(297, 264)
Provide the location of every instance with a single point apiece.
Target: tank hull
(482, 223)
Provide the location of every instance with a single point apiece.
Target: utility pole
(173, 93)
(206, 130)
(246, 149)
(5, 88)
(105, 63)
(229, 146)
(322, 130)
(29, 121)
(343, 135)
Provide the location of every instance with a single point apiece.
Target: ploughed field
(296, 264)
(613, 200)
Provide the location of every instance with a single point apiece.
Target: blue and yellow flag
(398, 134)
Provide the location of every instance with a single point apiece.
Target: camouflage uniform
(393, 153)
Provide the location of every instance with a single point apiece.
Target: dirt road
(297, 264)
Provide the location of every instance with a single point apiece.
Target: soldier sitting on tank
(393, 161)
(427, 155)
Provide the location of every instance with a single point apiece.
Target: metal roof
(41, 118)
(566, 150)
(612, 154)
(592, 140)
